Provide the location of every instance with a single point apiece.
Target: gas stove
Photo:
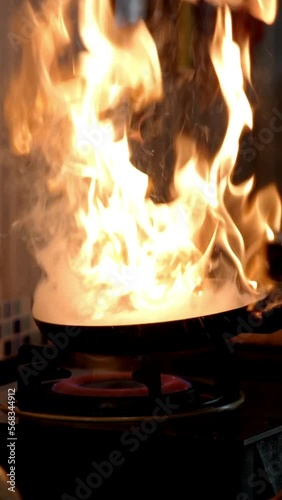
(121, 372)
(235, 449)
(96, 395)
(173, 422)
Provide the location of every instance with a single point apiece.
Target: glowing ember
(109, 254)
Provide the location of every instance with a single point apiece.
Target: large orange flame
(111, 255)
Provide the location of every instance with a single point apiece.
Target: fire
(265, 10)
(111, 255)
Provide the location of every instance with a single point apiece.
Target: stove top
(114, 398)
(230, 453)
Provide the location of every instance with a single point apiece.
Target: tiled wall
(16, 326)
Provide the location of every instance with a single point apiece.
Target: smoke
(109, 253)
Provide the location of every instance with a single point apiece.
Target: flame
(110, 254)
(265, 10)
(269, 233)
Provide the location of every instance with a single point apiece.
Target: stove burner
(116, 384)
(131, 385)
